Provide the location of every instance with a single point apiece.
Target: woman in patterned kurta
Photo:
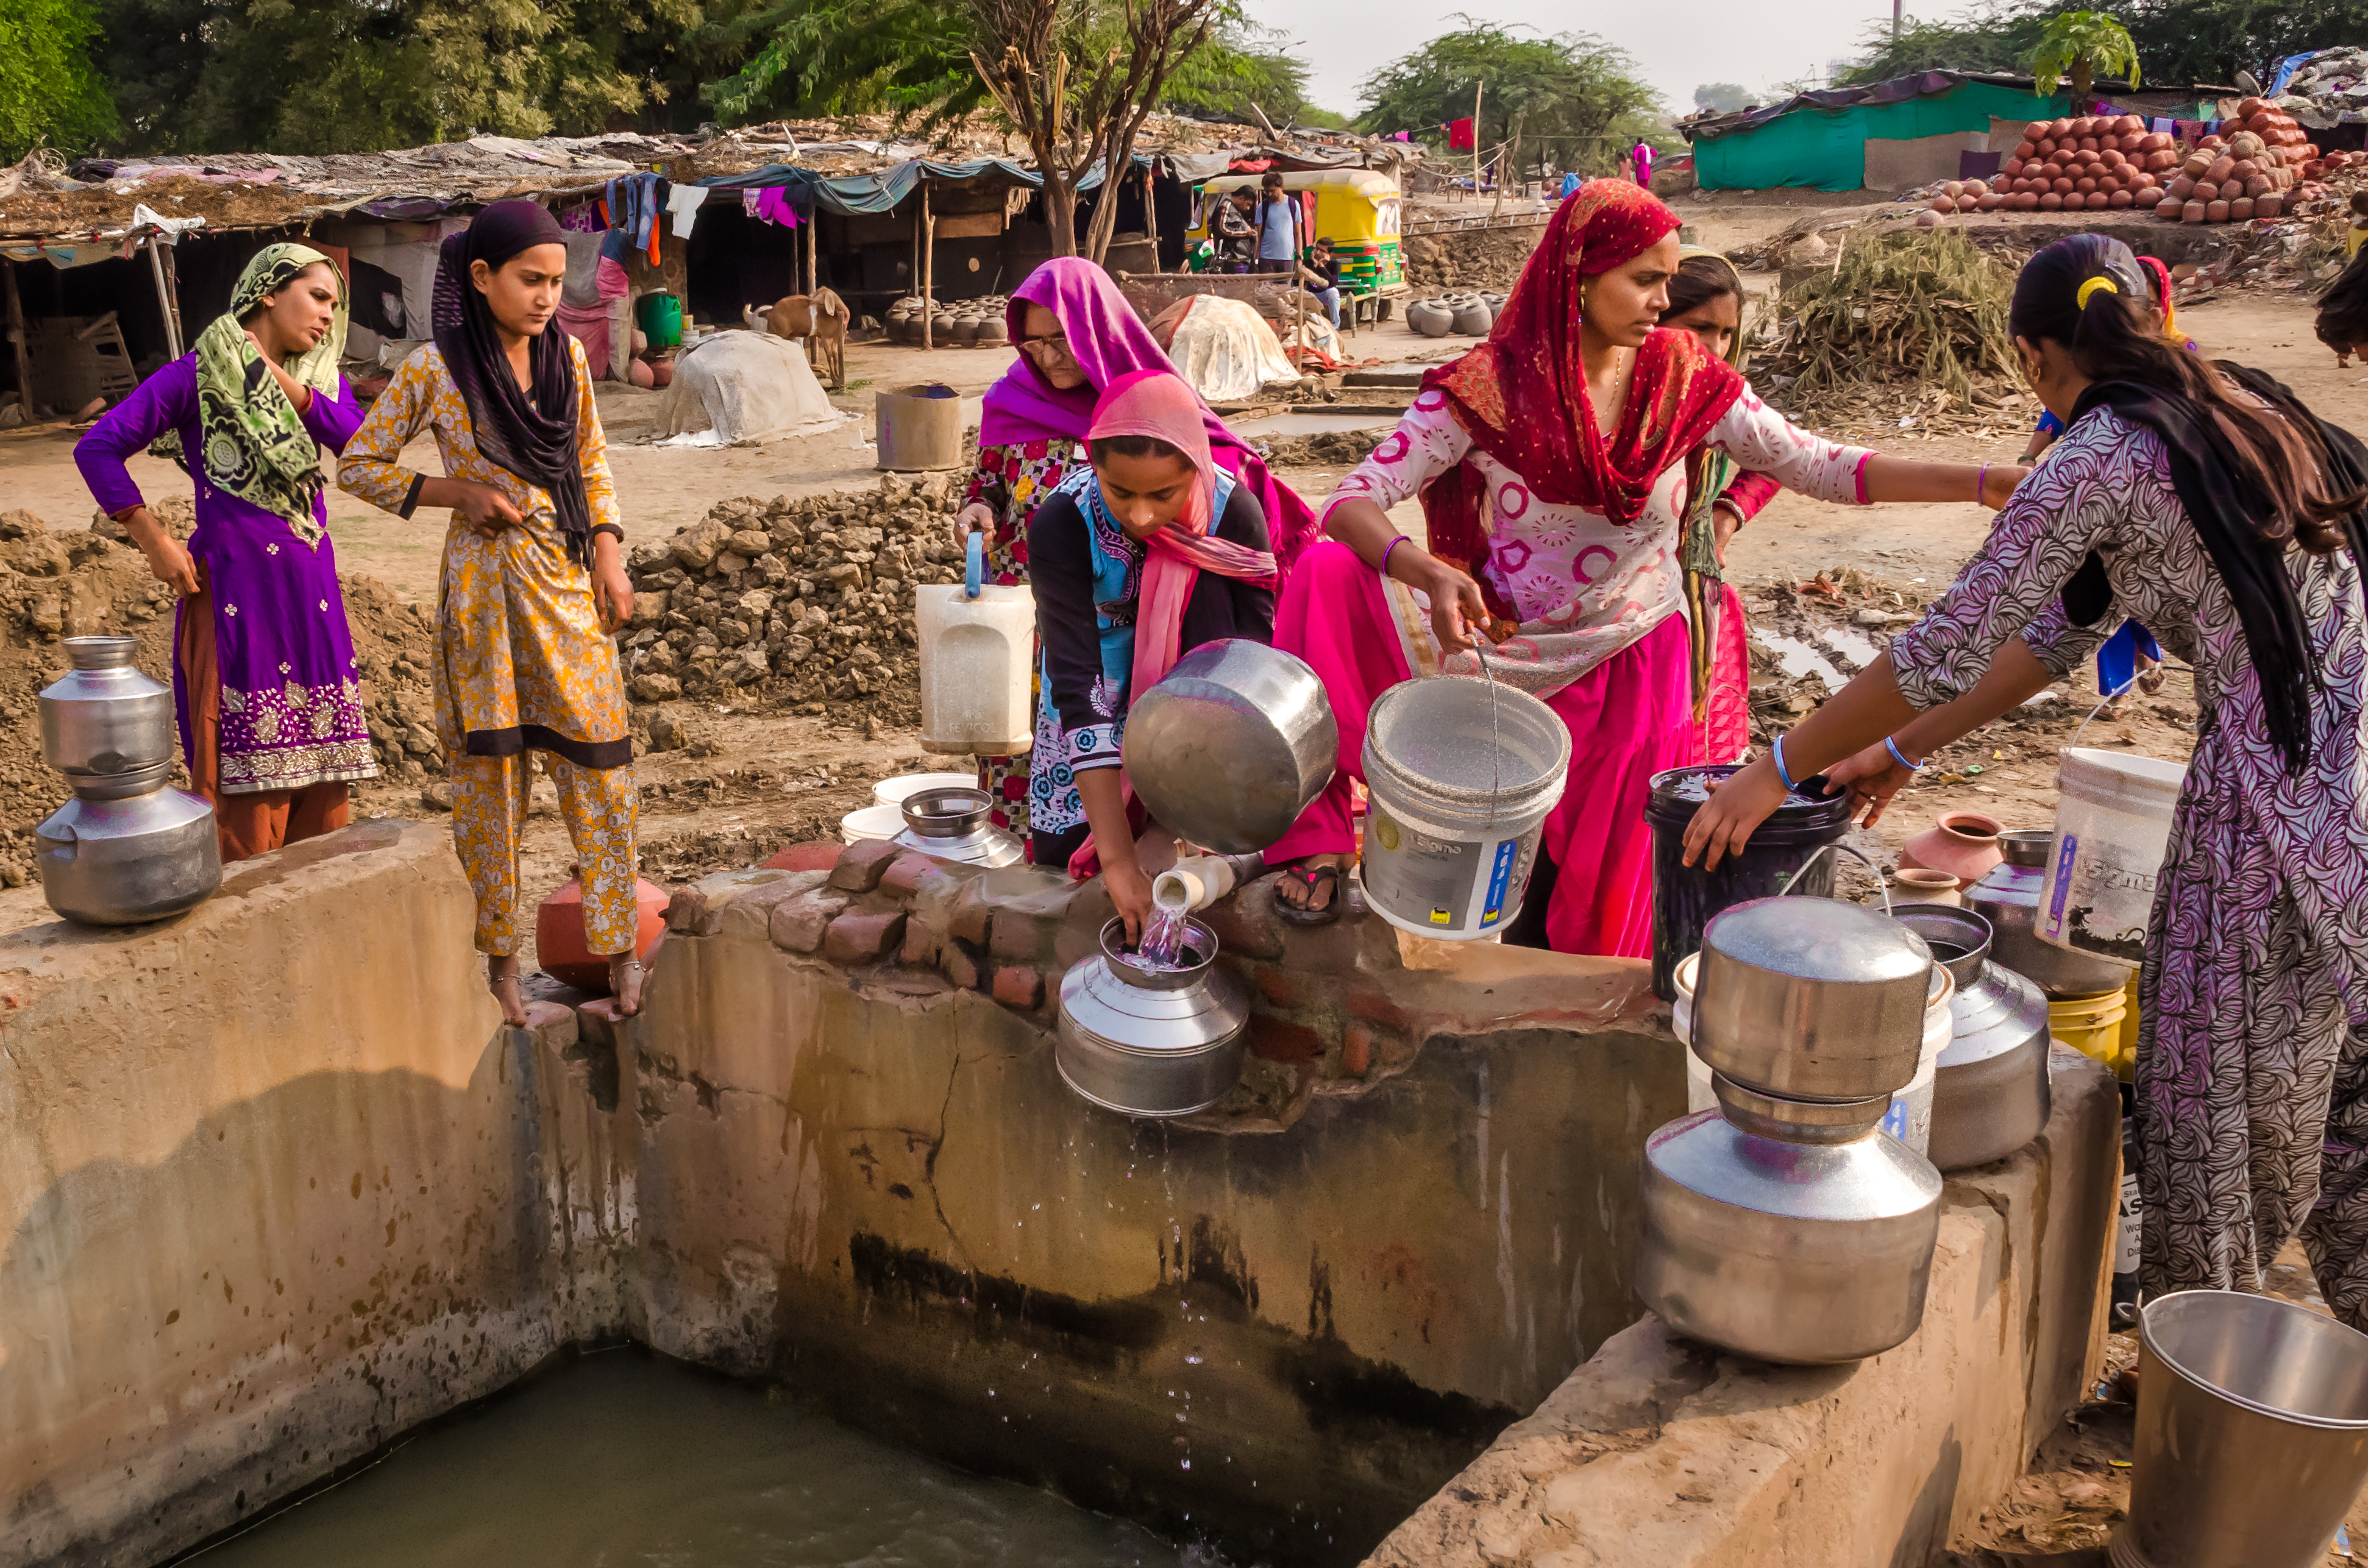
(264, 679)
(532, 585)
(1570, 522)
(2252, 1061)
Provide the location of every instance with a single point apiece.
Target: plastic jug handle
(973, 565)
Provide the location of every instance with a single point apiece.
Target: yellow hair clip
(2090, 287)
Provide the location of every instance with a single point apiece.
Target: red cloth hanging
(1459, 138)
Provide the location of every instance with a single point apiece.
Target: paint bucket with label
(2112, 828)
(1460, 773)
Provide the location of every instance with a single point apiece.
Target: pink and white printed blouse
(1584, 586)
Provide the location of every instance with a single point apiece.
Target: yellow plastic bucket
(2125, 1058)
(2091, 1025)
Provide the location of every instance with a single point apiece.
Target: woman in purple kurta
(264, 680)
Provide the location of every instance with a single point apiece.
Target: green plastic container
(660, 318)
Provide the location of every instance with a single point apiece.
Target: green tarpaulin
(1826, 148)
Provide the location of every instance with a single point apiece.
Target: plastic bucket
(2252, 1433)
(894, 792)
(2125, 1048)
(874, 821)
(2089, 1025)
(1909, 1119)
(2112, 827)
(1460, 773)
(660, 318)
(1686, 897)
(920, 426)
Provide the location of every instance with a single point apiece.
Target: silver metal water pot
(137, 856)
(1812, 1247)
(1148, 1042)
(103, 716)
(2008, 899)
(1233, 743)
(1990, 1092)
(951, 824)
(1811, 998)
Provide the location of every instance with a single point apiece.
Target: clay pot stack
(2112, 162)
(2096, 163)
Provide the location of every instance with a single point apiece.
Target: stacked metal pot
(1990, 1092)
(1150, 1041)
(1787, 1224)
(129, 847)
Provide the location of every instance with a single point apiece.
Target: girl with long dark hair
(2205, 501)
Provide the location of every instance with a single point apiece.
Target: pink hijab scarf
(1159, 405)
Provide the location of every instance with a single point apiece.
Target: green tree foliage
(1991, 39)
(1245, 65)
(1570, 93)
(50, 94)
(2078, 44)
(1724, 97)
(833, 57)
(359, 75)
(2178, 41)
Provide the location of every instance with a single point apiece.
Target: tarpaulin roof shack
(1898, 134)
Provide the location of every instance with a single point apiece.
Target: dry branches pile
(1923, 311)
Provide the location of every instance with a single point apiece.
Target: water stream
(624, 1459)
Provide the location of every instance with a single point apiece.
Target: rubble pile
(800, 602)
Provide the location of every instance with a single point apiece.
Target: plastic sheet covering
(1819, 138)
(1222, 346)
(745, 386)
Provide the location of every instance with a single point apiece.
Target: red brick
(1356, 1050)
(1246, 922)
(969, 916)
(861, 866)
(905, 875)
(1280, 1040)
(862, 937)
(1014, 937)
(798, 924)
(815, 855)
(1017, 987)
(922, 940)
(1376, 1009)
(958, 966)
(1278, 986)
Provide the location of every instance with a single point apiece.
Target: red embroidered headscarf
(1522, 394)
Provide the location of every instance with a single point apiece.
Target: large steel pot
(1151, 1043)
(951, 823)
(103, 716)
(1810, 999)
(1805, 1250)
(1233, 743)
(2008, 897)
(117, 862)
(1990, 1094)
(2252, 1433)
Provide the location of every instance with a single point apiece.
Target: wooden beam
(17, 349)
(165, 300)
(929, 269)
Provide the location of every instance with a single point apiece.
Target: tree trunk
(2081, 83)
(1061, 211)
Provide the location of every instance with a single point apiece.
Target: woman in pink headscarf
(1147, 551)
(1077, 336)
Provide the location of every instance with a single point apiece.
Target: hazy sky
(1680, 43)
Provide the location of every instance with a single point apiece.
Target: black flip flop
(1310, 875)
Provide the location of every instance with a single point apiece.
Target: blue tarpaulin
(882, 191)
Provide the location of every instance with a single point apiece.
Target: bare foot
(504, 975)
(1309, 890)
(626, 974)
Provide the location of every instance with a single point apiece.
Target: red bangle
(1385, 553)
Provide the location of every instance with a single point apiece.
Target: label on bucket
(1895, 1120)
(1493, 909)
(2065, 858)
(2125, 1237)
(1452, 886)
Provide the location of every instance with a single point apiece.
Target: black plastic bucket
(1686, 897)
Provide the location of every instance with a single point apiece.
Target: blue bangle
(1777, 746)
(1893, 747)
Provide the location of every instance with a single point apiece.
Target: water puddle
(1797, 658)
(1855, 647)
(626, 1459)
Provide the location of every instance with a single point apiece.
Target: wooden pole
(1151, 222)
(1476, 87)
(165, 300)
(929, 269)
(17, 349)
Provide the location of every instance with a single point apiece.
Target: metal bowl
(949, 812)
(1232, 744)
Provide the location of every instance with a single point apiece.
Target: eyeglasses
(1054, 346)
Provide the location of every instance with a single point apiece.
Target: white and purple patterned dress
(2252, 1067)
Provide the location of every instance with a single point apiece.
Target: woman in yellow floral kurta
(532, 584)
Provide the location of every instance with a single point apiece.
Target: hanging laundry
(748, 202)
(773, 206)
(684, 203)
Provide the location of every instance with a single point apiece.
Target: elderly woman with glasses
(1077, 336)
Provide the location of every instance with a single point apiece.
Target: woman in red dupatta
(1551, 465)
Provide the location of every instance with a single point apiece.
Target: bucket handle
(974, 564)
(1873, 869)
(1496, 743)
(2166, 665)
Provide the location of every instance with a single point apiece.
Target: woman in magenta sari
(1078, 337)
(1550, 462)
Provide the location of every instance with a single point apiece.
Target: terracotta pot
(1920, 885)
(559, 948)
(1964, 844)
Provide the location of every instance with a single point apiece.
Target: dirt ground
(752, 780)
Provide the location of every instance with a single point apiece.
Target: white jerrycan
(978, 650)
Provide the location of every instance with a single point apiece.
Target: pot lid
(1822, 940)
(2026, 847)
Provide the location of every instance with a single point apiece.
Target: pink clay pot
(1964, 844)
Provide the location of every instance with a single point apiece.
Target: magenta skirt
(1628, 718)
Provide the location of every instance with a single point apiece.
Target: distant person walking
(1640, 158)
(1278, 225)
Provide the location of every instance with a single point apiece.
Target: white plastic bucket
(894, 792)
(1460, 775)
(978, 656)
(1909, 1119)
(874, 821)
(2112, 827)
